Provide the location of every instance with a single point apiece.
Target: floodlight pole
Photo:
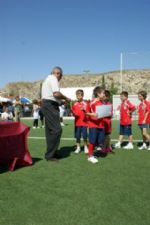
(121, 71)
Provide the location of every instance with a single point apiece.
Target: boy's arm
(92, 114)
(75, 111)
(132, 108)
(146, 116)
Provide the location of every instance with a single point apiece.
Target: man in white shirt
(51, 96)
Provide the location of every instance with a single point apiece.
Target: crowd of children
(96, 130)
(86, 120)
(126, 109)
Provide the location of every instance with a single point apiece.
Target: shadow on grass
(36, 160)
(65, 151)
(4, 169)
(103, 154)
(66, 124)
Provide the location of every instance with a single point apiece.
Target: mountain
(132, 81)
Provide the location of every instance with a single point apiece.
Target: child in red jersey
(79, 108)
(96, 125)
(144, 118)
(107, 124)
(126, 110)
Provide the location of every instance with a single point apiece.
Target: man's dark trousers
(53, 128)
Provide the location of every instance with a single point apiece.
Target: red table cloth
(13, 145)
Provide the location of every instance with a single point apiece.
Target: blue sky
(36, 35)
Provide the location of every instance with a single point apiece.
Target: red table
(13, 145)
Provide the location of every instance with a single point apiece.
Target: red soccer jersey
(79, 109)
(126, 108)
(143, 108)
(94, 122)
(107, 120)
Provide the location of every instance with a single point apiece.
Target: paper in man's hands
(104, 111)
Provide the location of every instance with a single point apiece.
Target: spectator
(35, 114)
(17, 109)
(41, 115)
(11, 108)
(7, 115)
(61, 113)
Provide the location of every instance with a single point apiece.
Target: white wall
(71, 92)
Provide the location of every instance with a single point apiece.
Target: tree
(113, 90)
(103, 81)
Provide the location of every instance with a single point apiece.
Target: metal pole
(121, 71)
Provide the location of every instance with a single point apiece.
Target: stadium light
(122, 54)
(121, 66)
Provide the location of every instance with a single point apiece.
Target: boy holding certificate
(96, 125)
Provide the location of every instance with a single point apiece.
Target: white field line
(72, 139)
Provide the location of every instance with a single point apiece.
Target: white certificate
(104, 111)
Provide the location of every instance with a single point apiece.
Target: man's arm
(60, 96)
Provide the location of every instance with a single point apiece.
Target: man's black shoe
(53, 159)
(57, 155)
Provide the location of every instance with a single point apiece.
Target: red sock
(91, 149)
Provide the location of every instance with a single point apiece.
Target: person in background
(61, 113)
(144, 118)
(6, 115)
(17, 109)
(96, 125)
(35, 114)
(81, 123)
(1, 108)
(126, 110)
(107, 123)
(11, 108)
(41, 115)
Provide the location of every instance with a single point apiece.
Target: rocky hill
(133, 80)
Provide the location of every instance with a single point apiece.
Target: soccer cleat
(98, 148)
(109, 149)
(86, 149)
(92, 159)
(62, 124)
(144, 146)
(104, 150)
(77, 150)
(34, 127)
(118, 145)
(148, 148)
(129, 146)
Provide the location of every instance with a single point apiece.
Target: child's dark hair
(107, 93)
(143, 93)
(124, 93)
(35, 101)
(97, 90)
(79, 91)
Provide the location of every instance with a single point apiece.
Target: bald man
(51, 97)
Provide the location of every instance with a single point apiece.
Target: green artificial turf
(116, 191)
